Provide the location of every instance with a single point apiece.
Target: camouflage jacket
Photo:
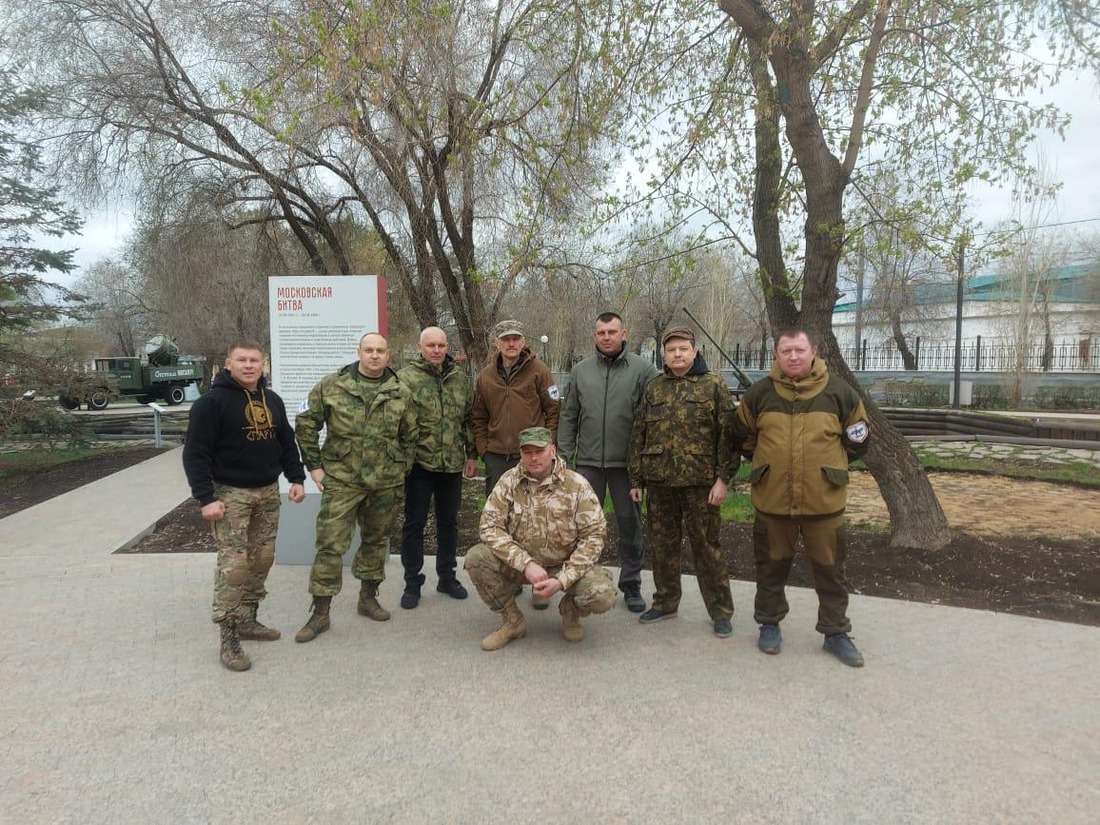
(682, 431)
(370, 430)
(556, 522)
(444, 399)
(800, 434)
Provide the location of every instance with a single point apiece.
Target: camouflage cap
(687, 333)
(536, 437)
(510, 327)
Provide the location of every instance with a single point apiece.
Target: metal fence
(1078, 356)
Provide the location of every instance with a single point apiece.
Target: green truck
(161, 374)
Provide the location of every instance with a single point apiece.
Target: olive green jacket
(444, 399)
(370, 431)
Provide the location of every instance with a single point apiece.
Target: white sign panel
(316, 324)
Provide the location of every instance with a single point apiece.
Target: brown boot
(318, 621)
(231, 654)
(250, 629)
(368, 603)
(571, 627)
(513, 627)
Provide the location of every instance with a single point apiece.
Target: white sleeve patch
(857, 433)
(303, 406)
(554, 392)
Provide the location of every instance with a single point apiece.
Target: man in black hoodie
(238, 442)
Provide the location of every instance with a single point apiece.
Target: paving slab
(113, 707)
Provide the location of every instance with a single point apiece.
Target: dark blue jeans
(421, 486)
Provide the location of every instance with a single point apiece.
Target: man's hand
(297, 494)
(470, 470)
(717, 493)
(318, 477)
(547, 587)
(214, 511)
(636, 494)
(534, 572)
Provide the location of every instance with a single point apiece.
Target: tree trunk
(916, 518)
(907, 357)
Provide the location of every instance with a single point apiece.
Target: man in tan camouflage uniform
(682, 452)
(238, 442)
(543, 525)
(370, 424)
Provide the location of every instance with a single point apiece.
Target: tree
(460, 132)
(936, 93)
(28, 209)
(117, 310)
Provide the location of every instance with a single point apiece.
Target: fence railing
(976, 355)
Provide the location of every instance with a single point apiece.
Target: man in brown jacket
(514, 392)
(800, 427)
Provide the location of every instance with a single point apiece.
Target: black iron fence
(976, 355)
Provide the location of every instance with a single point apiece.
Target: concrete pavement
(113, 707)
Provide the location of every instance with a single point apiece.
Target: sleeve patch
(554, 392)
(857, 433)
(303, 406)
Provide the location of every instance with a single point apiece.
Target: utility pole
(959, 324)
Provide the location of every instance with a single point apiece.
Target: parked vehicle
(161, 374)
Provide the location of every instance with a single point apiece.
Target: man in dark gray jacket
(594, 436)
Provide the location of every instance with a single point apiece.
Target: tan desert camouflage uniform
(557, 523)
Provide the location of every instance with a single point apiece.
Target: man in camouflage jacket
(543, 525)
(800, 427)
(444, 453)
(371, 433)
(682, 454)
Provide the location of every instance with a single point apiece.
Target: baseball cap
(535, 437)
(510, 327)
(687, 333)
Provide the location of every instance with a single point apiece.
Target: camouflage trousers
(245, 536)
(343, 507)
(671, 509)
(496, 583)
(773, 544)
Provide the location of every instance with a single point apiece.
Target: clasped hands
(542, 583)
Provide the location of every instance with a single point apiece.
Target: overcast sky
(1073, 162)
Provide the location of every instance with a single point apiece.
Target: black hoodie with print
(238, 438)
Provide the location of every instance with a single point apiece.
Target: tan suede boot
(368, 603)
(513, 627)
(231, 654)
(318, 621)
(571, 628)
(251, 629)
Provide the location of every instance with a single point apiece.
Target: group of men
(672, 438)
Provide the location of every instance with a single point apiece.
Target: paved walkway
(113, 707)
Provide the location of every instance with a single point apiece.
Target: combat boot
(231, 654)
(513, 627)
(571, 627)
(368, 603)
(251, 630)
(318, 621)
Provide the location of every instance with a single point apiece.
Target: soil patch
(20, 489)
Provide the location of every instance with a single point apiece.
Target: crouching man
(543, 526)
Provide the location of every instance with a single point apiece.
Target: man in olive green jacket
(800, 427)
(371, 431)
(445, 451)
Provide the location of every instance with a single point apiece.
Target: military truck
(161, 374)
